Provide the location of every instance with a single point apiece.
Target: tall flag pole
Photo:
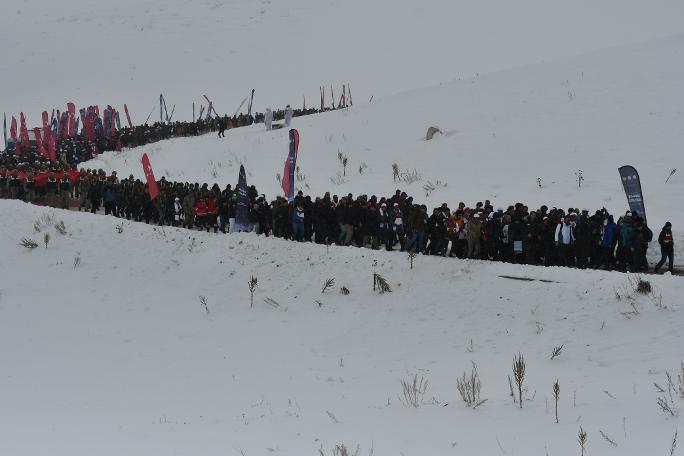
(290, 166)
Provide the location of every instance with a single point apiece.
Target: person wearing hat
(665, 240)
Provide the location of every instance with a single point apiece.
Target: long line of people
(545, 236)
(71, 151)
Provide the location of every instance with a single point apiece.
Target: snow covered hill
(593, 113)
(107, 349)
(128, 51)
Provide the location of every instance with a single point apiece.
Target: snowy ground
(117, 356)
(593, 113)
(107, 349)
(128, 51)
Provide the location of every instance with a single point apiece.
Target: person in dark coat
(666, 242)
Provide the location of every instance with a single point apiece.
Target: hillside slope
(129, 51)
(114, 354)
(593, 113)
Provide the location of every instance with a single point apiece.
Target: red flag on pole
(23, 131)
(151, 182)
(128, 116)
(288, 180)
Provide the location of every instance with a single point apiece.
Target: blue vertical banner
(242, 210)
(632, 185)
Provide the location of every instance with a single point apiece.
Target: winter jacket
(564, 234)
(609, 232)
(666, 241)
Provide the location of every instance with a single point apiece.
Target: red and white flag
(149, 175)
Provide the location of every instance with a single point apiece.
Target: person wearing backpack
(665, 240)
(564, 239)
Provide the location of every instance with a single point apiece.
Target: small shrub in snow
(666, 402)
(253, 283)
(343, 159)
(204, 304)
(411, 256)
(469, 387)
(519, 375)
(328, 284)
(413, 391)
(344, 290)
(556, 395)
(539, 182)
(582, 440)
(380, 284)
(556, 352)
(579, 177)
(674, 444)
(119, 228)
(46, 239)
(28, 243)
(61, 228)
(341, 450)
(77, 260)
(395, 172)
(643, 286)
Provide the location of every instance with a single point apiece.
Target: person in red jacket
(212, 213)
(200, 211)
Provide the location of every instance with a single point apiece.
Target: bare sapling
(411, 256)
(519, 375)
(469, 387)
(556, 352)
(46, 239)
(253, 283)
(413, 391)
(556, 394)
(582, 440)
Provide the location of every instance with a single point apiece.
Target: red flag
(23, 132)
(151, 182)
(128, 117)
(41, 147)
(72, 119)
(287, 181)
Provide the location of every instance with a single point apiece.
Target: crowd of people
(71, 151)
(547, 236)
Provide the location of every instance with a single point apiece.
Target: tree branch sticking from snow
(556, 352)
(329, 283)
(28, 243)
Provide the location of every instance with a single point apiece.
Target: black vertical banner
(242, 210)
(632, 186)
